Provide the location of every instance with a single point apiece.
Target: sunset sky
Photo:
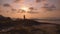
(42, 8)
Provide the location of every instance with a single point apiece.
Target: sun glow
(26, 9)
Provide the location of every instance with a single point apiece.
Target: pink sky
(41, 8)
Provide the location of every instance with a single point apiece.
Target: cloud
(52, 6)
(49, 7)
(13, 9)
(17, 1)
(31, 8)
(6, 5)
(39, 1)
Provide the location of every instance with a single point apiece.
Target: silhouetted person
(24, 17)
